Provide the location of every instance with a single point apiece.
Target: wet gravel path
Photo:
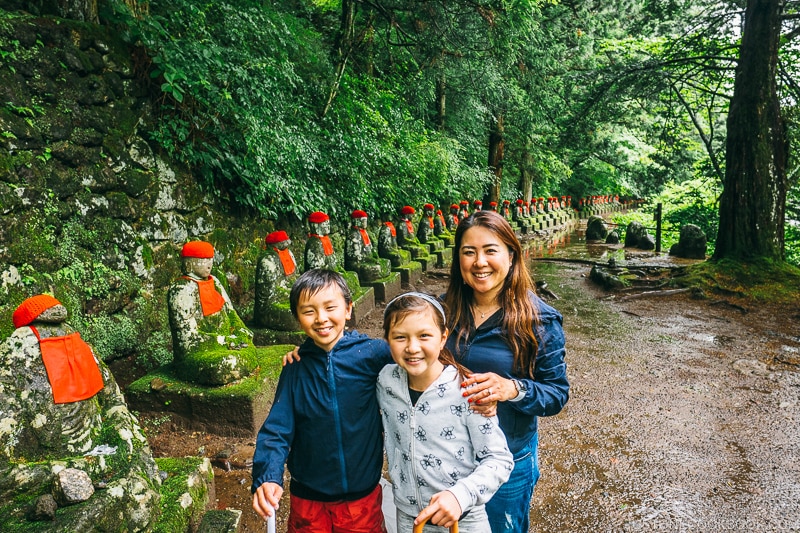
(683, 415)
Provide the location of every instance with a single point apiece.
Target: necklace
(488, 311)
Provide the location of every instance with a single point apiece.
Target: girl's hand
(482, 389)
(444, 510)
(266, 498)
(292, 356)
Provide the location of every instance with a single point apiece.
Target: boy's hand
(444, 510)
(266, 498)
(292, 356)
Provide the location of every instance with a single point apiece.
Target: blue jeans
(510, 507)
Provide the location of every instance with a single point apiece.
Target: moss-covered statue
(406, 236)
(360, 255)
(319, 251)
(66, 431)
(211, 344)
(276, 271)
(387, 244)
(493, 206)
(505, 211)
(463, 209)
(426, 224)
(452, 218)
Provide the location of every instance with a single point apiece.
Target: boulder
(691, 244)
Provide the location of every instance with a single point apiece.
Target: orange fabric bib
(327, 247)
(210, 299)
(410, 227)
(391, 228)
(287, 260)
(364, 237)
(430, 222)
(71, 368)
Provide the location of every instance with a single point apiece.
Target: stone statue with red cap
(360, 255)
(463, 209)
(387, 243)
(276, 271)
(319, 251)
(211, 344)
(427, 224)
(406, 236)
(452, 219)
(62, 411)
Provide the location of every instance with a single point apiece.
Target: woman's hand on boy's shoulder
(292, 356)
(487, 410)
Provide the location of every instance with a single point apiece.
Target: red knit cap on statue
(358, 213)
(318, 217)
(276, 236)
(427, 206)
(477, 202)
(520, 201)
(31, 308)
(200, 249)
(492, 204)
(407, 210)
(454, 206)
(464, 202)
(506, 202)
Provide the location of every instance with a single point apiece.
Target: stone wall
(90, 210)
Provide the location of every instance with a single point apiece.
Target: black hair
(312, 281)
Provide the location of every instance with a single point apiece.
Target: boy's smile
(323, 316)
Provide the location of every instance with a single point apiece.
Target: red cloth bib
(410, 227)
(71, 368)
(441, 221)
(391, 228)
(327, 247)
(365, 237)
(287, 260)
(210, 299)
(430, 222)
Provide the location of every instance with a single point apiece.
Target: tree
(753, 201)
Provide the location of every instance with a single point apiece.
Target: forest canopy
(284, 107)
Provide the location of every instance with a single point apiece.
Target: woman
(514, 344)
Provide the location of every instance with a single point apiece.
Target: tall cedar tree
(753, 202)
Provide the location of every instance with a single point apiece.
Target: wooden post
(658, 228)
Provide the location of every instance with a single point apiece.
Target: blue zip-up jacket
(547, 393)
(325, 420)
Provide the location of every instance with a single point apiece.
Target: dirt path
(683, 416)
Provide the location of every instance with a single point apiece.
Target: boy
(325, 419)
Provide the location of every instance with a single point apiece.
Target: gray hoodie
(439, 444)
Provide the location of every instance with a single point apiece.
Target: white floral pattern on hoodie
(439, 444)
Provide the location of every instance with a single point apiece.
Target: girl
(445, 461)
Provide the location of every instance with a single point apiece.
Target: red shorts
(359, 516)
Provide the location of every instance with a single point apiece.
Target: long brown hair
(406, 304)
(519, 314)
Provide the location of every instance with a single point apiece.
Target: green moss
(173, 516)
(269, 367)
(762, 280)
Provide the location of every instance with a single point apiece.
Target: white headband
(430, 299)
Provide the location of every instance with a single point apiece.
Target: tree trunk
(496, 147)
(753, 202)
(344, 46)
(526, 175)
(441, 108)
